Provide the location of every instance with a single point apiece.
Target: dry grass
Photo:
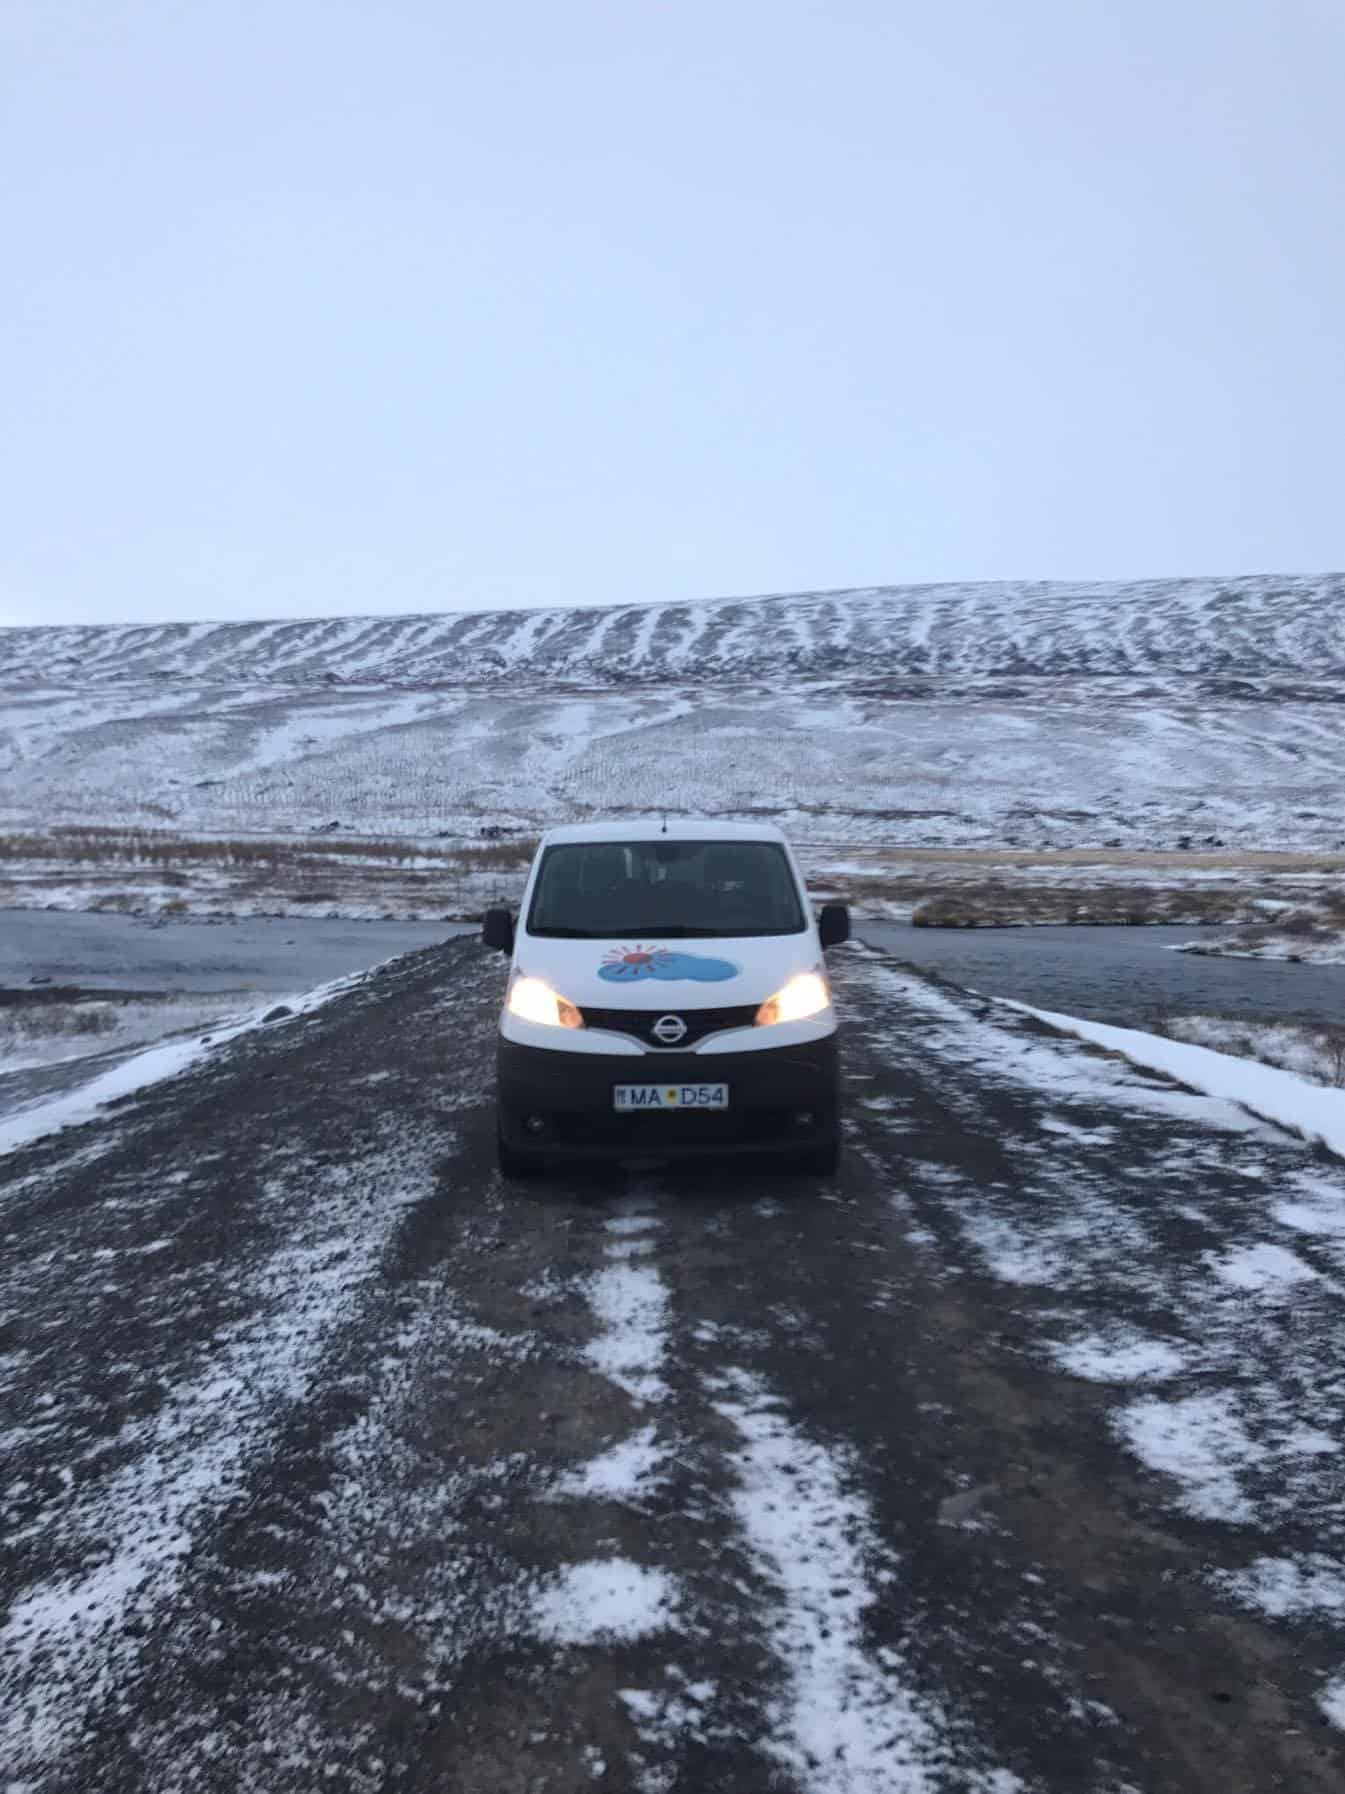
(165, 874)
(1326, 917)
(500, 856)
(136, 847)
(1309, 1050)
(57, 1021)
(81, 1022)
(168, 852)
(1305, 927)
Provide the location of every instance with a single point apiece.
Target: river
(1121, 975)
(259, 953)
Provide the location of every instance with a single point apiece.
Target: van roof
(675, 829)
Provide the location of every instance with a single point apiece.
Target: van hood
(678, 974)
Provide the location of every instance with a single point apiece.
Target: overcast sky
(315, 306)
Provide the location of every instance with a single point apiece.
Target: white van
(667, 997)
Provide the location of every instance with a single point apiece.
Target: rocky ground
(1008, 1459)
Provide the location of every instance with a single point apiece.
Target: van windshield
(664, 890)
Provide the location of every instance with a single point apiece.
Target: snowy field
(1190, 714)
(1061, 762)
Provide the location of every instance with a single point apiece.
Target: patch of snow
(1332, 1702)
(1320, 1208)
(1045, 1065)
(631, 1302)
(1116, 1359)
(848, 1720)
(1260, 1266)
(625, 1472)
(1085, 1136)
(1010, 1255)
(1308, 1442)
(1201, 1442)
(670, 1718)
(638, 1247)
(604, 1599)
(1273, 1095)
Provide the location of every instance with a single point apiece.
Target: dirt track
(331, 1462)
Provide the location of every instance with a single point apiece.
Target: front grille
(700, 1022)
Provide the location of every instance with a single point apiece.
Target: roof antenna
(664, 829)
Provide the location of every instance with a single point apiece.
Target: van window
(664, 890)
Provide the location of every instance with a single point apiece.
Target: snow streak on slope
(1250, 626)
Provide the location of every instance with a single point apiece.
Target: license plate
(627, 1097)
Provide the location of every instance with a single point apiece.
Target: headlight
(805, 995)
(532, 1001)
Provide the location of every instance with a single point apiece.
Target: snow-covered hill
(1135, 714)
(1253, 626)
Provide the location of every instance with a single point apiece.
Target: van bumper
(559, 1105)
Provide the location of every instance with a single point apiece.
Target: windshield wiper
(568, 934)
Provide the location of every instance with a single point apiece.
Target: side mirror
(497, 930)
(833, 925)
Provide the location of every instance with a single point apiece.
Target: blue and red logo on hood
(627, 965)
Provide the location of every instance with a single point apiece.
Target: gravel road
(1009, 1459)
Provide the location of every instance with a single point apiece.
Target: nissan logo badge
(670, 1029)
